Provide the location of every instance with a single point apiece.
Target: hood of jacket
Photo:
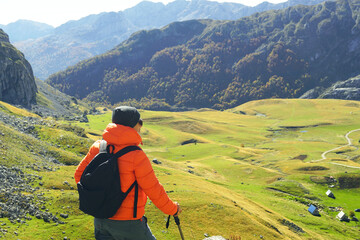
(116, 134)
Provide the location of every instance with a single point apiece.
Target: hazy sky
(57, 12)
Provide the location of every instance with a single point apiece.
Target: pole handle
(177, 220)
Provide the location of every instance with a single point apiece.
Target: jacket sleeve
(94, 149)
(148, 182)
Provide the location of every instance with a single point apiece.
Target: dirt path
(344, 165)
(323, 156)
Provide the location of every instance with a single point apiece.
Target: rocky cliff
(17, 83)
(349, 90)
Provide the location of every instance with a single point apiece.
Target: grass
(8, 108)
(252, 172)
(43, 101)
(239, 153)
(64, 139)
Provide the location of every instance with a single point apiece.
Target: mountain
(220, 64)
(22, 30)
(348, 89)
(96, 34)
(17, 84)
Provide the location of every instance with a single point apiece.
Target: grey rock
(347, 90)
(17, 82)
(215, 238)
(313, 93)
(156, 161)
(16, 206)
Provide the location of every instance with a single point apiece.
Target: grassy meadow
(249, 172)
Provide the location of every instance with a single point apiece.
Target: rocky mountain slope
(95, 34)
(221, 64)
(348, 89)
(28, 152)
(53, 103)
(17, 84)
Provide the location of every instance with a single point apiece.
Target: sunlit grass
(246, 173)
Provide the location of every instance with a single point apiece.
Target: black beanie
(127, 116)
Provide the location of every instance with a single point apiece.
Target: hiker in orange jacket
(122, 132)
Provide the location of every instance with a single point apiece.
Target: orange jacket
(132, 166)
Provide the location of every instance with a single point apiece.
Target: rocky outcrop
(17, 83)
(313, 93)
(348, 90)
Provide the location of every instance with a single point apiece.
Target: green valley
(249, 172)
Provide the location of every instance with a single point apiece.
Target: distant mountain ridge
(221, 64)
(95, 34)
(17, 83)
(22, 30)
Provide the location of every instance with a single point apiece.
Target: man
(122, 132)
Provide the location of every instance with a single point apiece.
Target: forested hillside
(95, 34)
(222, 64)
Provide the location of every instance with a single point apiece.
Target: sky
(57, 12)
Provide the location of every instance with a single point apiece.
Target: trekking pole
(177, 220)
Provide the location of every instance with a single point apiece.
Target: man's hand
(179, 210)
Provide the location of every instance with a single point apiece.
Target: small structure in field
(330, 194)
(342, 216)
(313, 210)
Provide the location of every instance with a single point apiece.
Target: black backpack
(99, 188)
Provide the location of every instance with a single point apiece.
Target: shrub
(349, 180)
(351, 214)
(313, 168)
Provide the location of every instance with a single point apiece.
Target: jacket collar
(121, 135)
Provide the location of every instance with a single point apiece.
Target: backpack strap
(120, 153)
(136, 198)
(136, 185)
(103, 144)
(125, 150)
